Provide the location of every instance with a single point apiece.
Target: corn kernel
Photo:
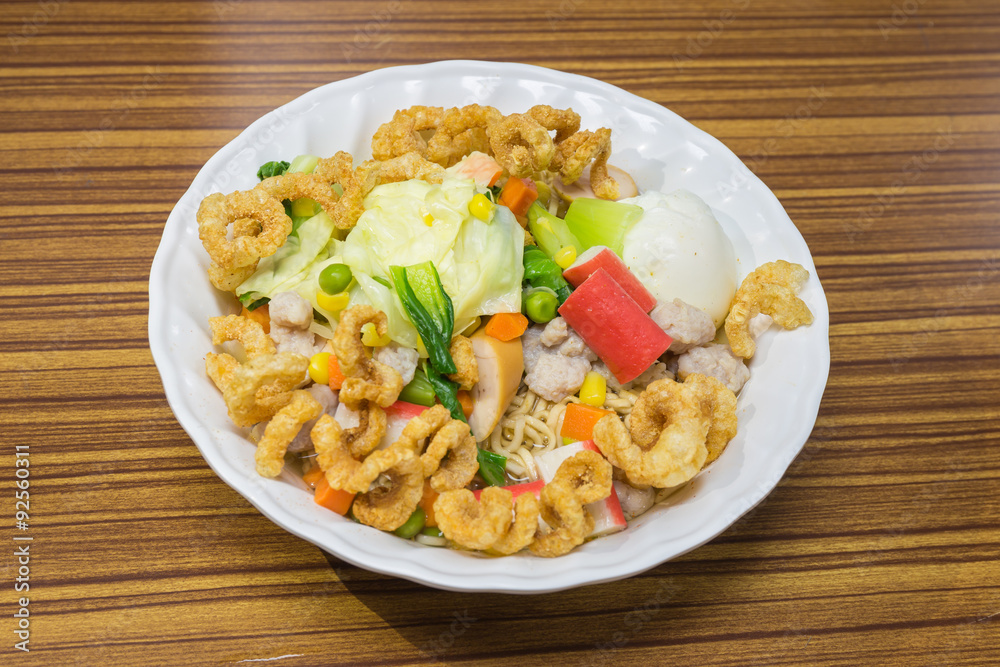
(481, 207)
(319, 368)
(594, 390)
(332, 302)
(370, 337)
(565, 257)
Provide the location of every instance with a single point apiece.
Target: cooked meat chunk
(403, 359)
(289, 309)
(687, 325)
(554, 376)
(717, 361)
(634, 501)
(325, 396)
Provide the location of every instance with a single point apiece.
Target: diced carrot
(518, 195)
(427, 503)
(334, 500)
(506, 326)
(336, 377)
(579, 420)
(259, 315)
(465, 398)
(312, 476)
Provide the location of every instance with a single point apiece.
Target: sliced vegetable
(419, 390)
(601, 222)
(550, 232)
(304, 207)
(491, 467)
(501, 364)
(303, 164)
(430, 310)
(427, 503)
(259, 315)
(506, 326)
(446, 390)
(319, 367)
(579, 420)
(335, 278)
(594, 390)
(273, 168)
(540, 304)
(601, 257)
(335, 378)
(541, 271)
(333, 499)
(465, 400)
(613, 325)
(312, 476)
(518, 195)
(412, 525)
(607, 513)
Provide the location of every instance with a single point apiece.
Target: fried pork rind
(342, 470)
(474, 524)
(583, 478)
(446, 449)
(249, 333)
(577, 151)
(461, 351)
(260, 226)
(522, 529)
(721, 405)
(296, 185)
(521, 145)
(282, 429)
(242, 382)
(771, 289)
(394, 498)
(462, 130)
(669, 425)
(401, 135)
(366, 378)
(450, 460)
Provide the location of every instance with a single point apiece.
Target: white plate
(777, 408)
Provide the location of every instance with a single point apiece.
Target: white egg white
(680, 251)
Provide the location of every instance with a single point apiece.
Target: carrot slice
(518, 195)
(427, 504)
(336, 377)
(312, 476)
(579, 419)
(258, 315)
(465, 398)
(333, 499)
(506, 326)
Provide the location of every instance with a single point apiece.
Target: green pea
(335, 278)
(541, 306)
(412, 525)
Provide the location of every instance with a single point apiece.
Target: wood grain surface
(876, 123)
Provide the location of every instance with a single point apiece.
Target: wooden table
(875, 122)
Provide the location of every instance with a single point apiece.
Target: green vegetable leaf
(251, 303)
(550, 232)
(269, 169)
(446, 390)
(540, 271)
(491, 467)
(434, 330)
